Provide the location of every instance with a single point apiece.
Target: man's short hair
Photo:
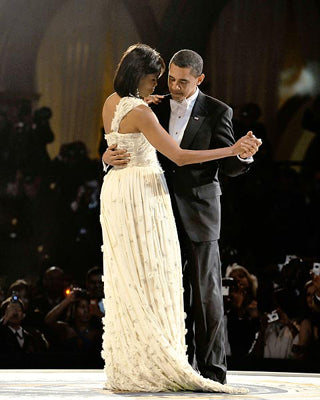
(188, 59)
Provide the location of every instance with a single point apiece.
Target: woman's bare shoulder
(143, 110)
(142, 117)
(111, 101)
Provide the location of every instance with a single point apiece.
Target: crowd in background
(51, 290)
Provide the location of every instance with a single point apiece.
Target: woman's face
(82, 311)
(147, 84)
(241, 279)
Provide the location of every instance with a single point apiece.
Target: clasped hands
(247, 145)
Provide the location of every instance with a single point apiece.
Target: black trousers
(204, 307)
(203, 302)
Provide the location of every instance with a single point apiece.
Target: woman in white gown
(144, 332)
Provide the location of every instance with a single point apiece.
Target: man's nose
(175, 85)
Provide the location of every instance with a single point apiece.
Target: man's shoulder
(5, 332)
(3, 328)
(212, 104)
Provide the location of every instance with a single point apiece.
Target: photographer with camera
(23, 290)
(78, 332)
(315, 276)
(278, 328)
(5, 132)
(20, 143)
(308, 346)
(94, 287)
(241, 310)
(42, 135)
(31, 133)
(14, 339)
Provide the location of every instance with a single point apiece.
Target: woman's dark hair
(137, 61)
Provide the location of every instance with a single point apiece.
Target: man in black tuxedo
(197, 121)
(13, 338)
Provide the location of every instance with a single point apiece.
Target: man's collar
(187, 102)
(20, 330)
(192, 98)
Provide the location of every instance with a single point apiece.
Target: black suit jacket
(10, 345)
(195, 187)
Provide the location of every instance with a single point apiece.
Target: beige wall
(75, 66)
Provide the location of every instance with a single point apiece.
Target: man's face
(182, 84)
(15, 314)
(54, 282)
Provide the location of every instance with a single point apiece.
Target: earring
(137, 93)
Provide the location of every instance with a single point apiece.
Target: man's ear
(200, 79)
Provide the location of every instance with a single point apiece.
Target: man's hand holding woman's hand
(253, 145)
(246, 146)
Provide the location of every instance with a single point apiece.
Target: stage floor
(88, 384)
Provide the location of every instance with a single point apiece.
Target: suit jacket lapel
(197, 116)
(163, 112)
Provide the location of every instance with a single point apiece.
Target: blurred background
(57, 60)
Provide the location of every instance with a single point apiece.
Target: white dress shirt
(179, 116)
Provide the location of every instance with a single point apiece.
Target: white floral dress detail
(144, 332)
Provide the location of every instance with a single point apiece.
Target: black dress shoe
(214, 376)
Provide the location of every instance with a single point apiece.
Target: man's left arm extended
(223, 136)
